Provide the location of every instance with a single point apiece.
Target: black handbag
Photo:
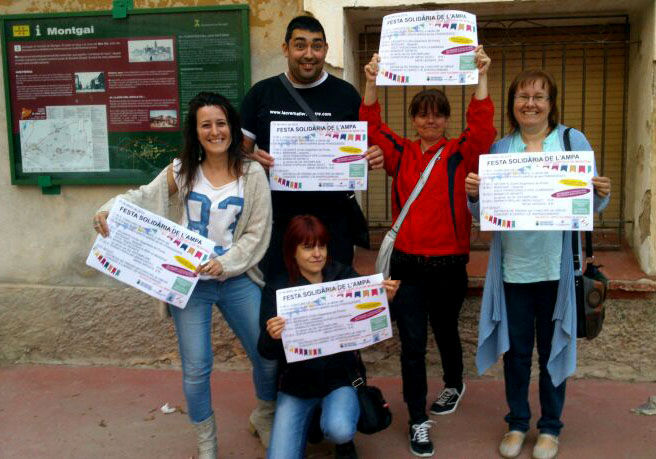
(590, 286)
(375, 414)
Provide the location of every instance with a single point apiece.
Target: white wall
(641, 137)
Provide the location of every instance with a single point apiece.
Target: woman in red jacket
(432, 246)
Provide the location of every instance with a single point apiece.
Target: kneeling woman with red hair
(321, 382)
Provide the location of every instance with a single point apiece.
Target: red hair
(305, 230)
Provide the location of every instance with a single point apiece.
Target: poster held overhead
(428, 48)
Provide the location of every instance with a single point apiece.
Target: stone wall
(625, 350)
(120, 326)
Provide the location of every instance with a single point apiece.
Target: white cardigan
(253, 230)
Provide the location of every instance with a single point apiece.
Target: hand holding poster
(150, 253)
(331, 317)
(318, 156)
(537, 191)
(428, 48)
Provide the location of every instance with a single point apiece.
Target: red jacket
(438, 222)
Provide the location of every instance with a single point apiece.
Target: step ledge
(639, 285)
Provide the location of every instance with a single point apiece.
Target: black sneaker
(346, 451)
(447, 401)
(420, 443)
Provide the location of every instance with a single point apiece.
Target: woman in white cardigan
(225, 197)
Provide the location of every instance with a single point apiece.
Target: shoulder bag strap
(417, 189)
(297, 97)
(575, 251)
(566, 140)
(357, 378)
(588, 244)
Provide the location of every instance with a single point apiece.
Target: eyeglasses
(303, 45)
(538, 99)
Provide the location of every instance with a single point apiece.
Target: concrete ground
(110, 412)
(101, 412)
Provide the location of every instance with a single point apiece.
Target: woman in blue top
(529, 286)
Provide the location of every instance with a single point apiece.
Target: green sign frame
(134, 70)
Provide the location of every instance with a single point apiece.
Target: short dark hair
(528, 77)
(302, 229)
(430, 100)
(192, 154)
(304, 23)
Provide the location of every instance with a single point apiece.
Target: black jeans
(530, 309)
(429, 293)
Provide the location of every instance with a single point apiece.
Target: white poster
(150, 253)
(537, 191)
(331, 317)
(318, 156)
(428, 48)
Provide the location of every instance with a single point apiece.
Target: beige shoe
(206, 438)
(546, 447)
(512, 442)
(261, 420)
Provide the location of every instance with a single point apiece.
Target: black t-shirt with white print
(331, 98)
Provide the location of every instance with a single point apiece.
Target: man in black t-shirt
(332, 99)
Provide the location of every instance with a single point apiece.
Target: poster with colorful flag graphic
(537, 191)
(428, 48)
(318, 156)
(150, 253)
(331, 317)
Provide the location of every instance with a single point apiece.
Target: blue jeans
(530, 310)
(238, 299)
(340, 412)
